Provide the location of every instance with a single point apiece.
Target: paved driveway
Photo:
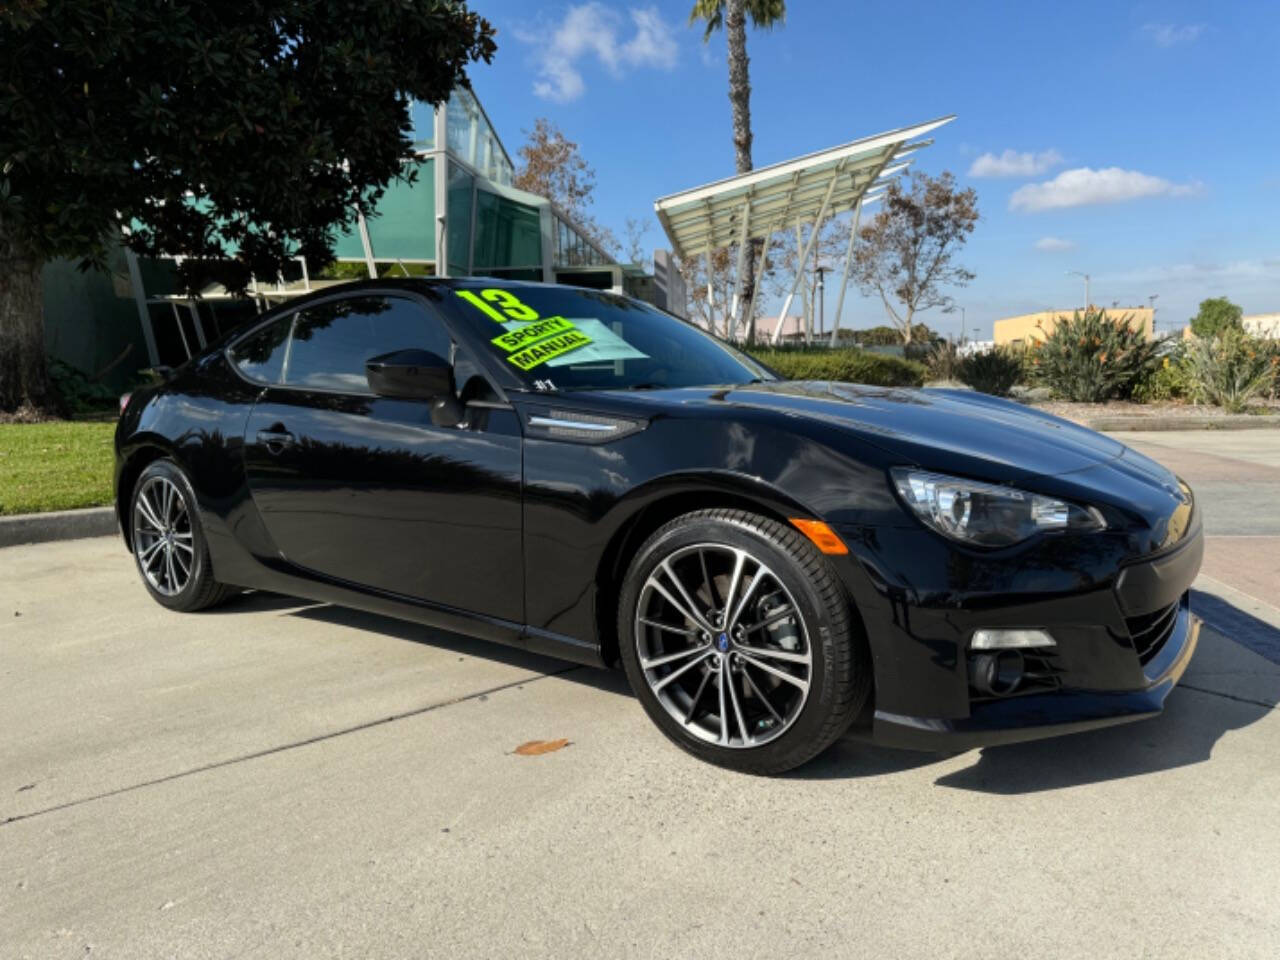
(286, 780)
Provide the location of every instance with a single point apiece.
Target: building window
(508, 234)
(461, 118)
(423, 117)
(458, 219)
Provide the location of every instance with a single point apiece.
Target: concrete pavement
(1236, 477)
(278, 779)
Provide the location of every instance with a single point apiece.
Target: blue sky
(1137, 142)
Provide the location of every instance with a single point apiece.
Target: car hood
(926, 427)
(959, 424)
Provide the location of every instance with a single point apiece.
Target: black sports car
(581, 475)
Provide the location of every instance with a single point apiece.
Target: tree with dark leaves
(1216, 316)
(236, 135)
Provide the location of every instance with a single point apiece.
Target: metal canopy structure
(807, 190)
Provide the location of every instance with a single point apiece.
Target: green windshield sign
(534, 339)
(548, 349)
(526, 334)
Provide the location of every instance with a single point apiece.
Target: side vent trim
(581, 427)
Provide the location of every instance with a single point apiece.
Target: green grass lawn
(55, 466)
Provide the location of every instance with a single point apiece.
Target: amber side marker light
(823, 537)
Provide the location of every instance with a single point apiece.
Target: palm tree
(732, 16)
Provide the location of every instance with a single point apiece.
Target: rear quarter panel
(197, 419)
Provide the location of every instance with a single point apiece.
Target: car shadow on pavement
(1196, 716)
(1185, 734)
(463, 646)
(1244, 628)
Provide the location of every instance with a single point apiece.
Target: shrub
(850, 366)
(75, 393)
(1091, 357)
(1232, 369)
(1170, 379)
(995, 371)
(943, 361)
(885, 336)
(919, 350)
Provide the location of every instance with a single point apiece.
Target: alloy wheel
(723, 645)
(162, 536)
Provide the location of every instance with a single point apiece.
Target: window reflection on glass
(260, 356)
(332, 341)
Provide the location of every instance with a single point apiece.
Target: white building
(1263, 325)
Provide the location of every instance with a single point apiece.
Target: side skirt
(235, 565)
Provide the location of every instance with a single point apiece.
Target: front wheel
(168, 542)
(738, 641)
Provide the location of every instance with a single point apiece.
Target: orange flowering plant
(1092, 357)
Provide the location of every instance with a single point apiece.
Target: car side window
(260, 356)
(332, 341)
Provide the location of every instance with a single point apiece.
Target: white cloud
(1197, 274)
(1054, 244)
(1084, 186)
(594, 30)
(1172, 35)
(1014, 164)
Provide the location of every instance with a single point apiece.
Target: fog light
(996, 674)
(1010, 639)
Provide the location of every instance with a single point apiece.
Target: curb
(1228, 422)
(57, 525)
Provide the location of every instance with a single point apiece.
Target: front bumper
(1124, 629)
(1018, 719)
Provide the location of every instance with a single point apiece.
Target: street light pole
(822, 305)
(1087, 298)
(1152, 301)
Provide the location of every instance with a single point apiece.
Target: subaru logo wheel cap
(722, 642)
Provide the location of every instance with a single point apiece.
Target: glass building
(462, 217)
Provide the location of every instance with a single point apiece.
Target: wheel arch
(663, 501)
(142, 453)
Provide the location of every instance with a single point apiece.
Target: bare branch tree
(552, 166)
(713, 314)
(635, 229)
(906, 254)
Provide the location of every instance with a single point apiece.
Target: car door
(368, 490)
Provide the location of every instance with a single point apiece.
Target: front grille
(1150, 631)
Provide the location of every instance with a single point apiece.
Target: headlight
(986, 515)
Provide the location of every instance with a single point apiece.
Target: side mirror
(410, 375)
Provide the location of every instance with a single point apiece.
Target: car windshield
(561, 338)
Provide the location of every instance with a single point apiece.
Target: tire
(794, 617)
(169, 546)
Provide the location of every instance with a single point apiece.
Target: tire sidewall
(823, 633)
(200, 556)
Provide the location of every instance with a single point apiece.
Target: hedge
(843, 364)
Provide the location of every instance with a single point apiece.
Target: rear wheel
(737, 639)
(168, 542)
